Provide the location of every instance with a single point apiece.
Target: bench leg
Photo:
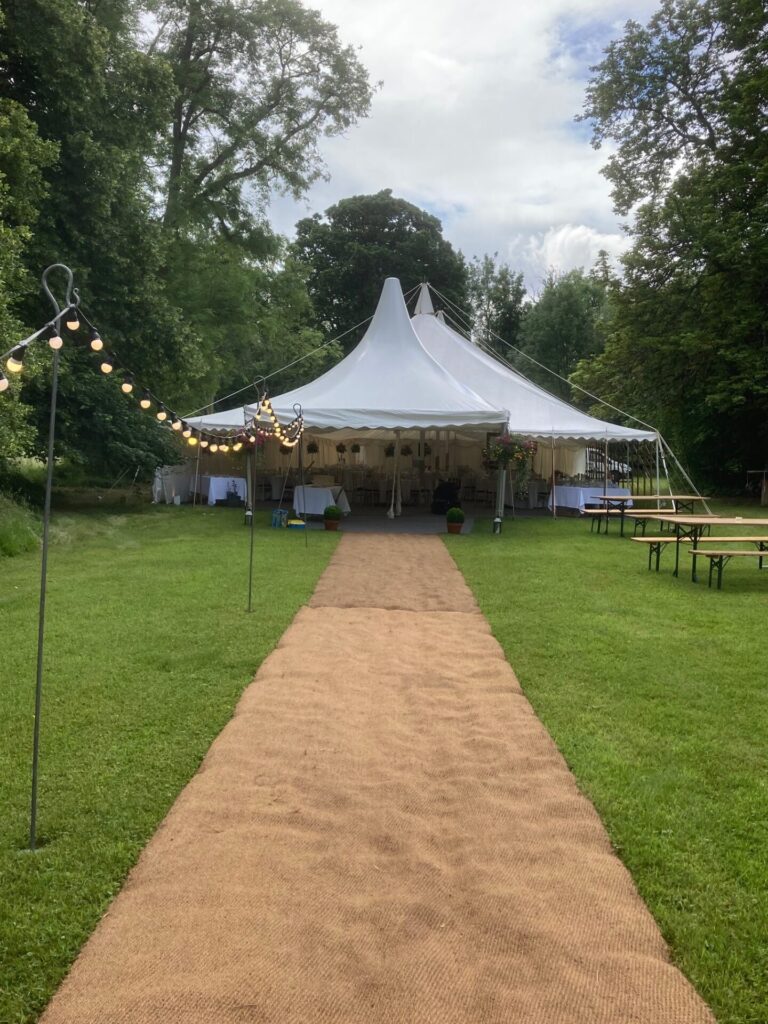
(720, 563)
(659, 547)
(711, 567)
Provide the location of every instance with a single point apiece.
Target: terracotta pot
(331, 524)
(454, 527)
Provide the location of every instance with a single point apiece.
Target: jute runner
(384, 833)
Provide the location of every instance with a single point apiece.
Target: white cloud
(475, 123)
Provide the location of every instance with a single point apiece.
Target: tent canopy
(534, 412)
(389, 382)
(412, 375)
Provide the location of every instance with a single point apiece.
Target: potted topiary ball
(454, 517)
(331, 517)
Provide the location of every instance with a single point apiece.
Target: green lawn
(148, 649)
(656, 691)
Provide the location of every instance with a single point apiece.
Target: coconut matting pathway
(384, 833)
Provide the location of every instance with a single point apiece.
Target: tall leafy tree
(162, 153)
(563, 327)
(685, 102)
(364, 239)
(23, 158)
(497, 295)
(258, 83)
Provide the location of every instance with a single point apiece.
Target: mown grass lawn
(148, 648)
(656, 691)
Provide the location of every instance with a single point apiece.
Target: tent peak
(424, 301)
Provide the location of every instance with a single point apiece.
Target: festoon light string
(254, 431)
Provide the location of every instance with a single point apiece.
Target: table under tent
(411, 408)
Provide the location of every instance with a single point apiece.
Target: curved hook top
(70, 287)
(297, 409)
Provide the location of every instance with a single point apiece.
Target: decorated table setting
(312, 500)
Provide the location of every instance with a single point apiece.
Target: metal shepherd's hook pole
(71, 292)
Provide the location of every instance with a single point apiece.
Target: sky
(474, 122)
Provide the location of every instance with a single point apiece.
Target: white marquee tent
(418, 378)
(414, 375)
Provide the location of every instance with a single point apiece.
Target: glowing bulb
(224, 448)
(4, 385)
(176, 425)
(204, 443)
(252, 438)
(237, 447)
(187, 431)
(72, 321)
(214, 447)
(106, 365)
(192, 440)
(96, 343)
(55, 340)
(146, 399)
(127, 386)
(161, 413)
(15, 361)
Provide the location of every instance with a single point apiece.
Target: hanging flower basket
(406, 450)
(389, 451)
(341, 448)
(313, 447)
(355, 449)
(506, 450)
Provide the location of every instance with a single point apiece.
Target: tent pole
(197, 477)
(605, 467)
(391, 511)
(501, 483)
(658, 474)
(554, 492)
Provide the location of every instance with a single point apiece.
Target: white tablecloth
(216, 487)
(578, 497)
(313, 501)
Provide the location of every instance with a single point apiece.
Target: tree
(562, 327)
(497, 295)
(686, 101)
(258, 82)
(363, 240)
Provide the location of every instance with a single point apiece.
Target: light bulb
(161, 413)
(214, 447)
(15, 361)
(237, 447)
(192, 440)
(252, 439)
(72, 321)
(4, 385)
(96, 343)
(224, 448)
(106, 365)
(146, 399)
(127, 386)
(204, 443)
(55, 340)
(176, 425)
(187, 431)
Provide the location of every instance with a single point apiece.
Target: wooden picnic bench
(597, 515)
(656, 546)
(719, 558)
